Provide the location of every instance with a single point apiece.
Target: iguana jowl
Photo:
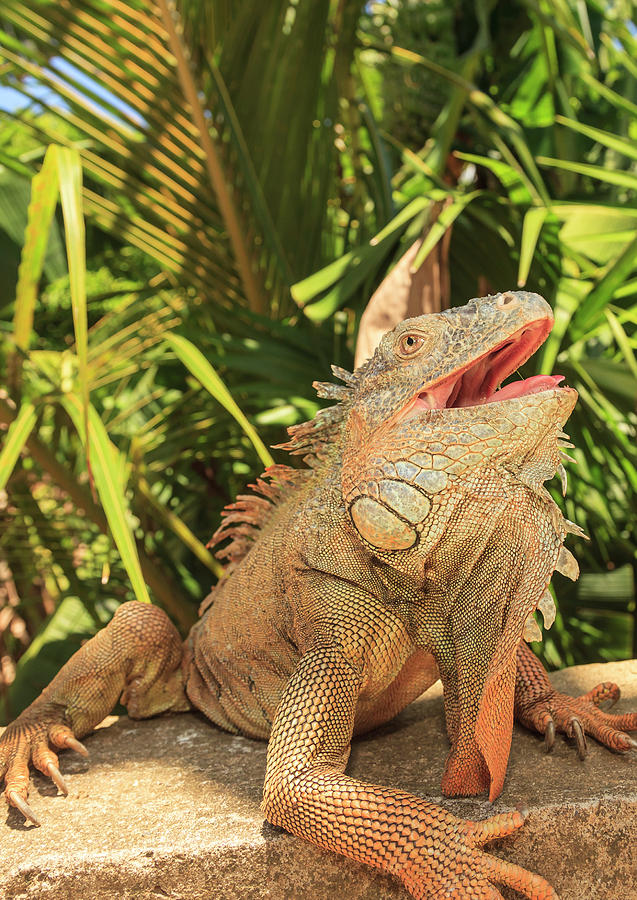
(417, 544)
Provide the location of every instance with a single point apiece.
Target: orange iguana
(416, 545)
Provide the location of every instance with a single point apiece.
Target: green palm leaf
(177, 207)
(108, 468)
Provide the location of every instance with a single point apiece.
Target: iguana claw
(549, 736)
(16, 800)
(56, 777)
(576, 731)
(76, 745)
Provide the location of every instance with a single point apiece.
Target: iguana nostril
(507, 301)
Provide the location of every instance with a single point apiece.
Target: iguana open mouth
(479, 382)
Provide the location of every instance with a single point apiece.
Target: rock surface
(169, 808)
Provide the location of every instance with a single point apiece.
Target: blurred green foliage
(247, 180)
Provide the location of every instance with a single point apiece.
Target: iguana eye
(410, 344)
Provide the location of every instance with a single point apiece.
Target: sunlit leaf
(198, 365)
(44, 193)
(603, 292)
(14, 441)
(439, 228)
(533, 221)
(107, 470)
(347, 273)
(612, 176)
(624, 343)
(69, 169)
(627, 148)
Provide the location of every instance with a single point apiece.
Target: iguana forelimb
(433, 852)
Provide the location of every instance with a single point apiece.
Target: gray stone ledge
(169, 808)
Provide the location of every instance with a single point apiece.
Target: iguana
(416, 545)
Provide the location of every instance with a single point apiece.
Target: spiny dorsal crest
(313, 439)
(247, 516)
(243, 520)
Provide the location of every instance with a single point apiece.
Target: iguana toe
(63, 738)
(540, 707)
(574, 730)
(607, 691)
(494, 869)
(532, 886)
(497, 826)
(577, 717)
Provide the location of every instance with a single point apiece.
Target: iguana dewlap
(416, 545)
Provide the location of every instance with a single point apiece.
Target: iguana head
(428, 410)
(442, 475)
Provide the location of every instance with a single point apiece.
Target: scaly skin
(416, 545)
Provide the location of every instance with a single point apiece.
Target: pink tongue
(523, 388)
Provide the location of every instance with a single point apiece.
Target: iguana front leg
(539, 707)
(138, 656)
(306, 791)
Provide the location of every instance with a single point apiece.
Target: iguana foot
(28, 741)
(578, 716)
(539, 707)
(137, 658)
(487, 868)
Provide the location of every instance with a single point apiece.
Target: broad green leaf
(15, 439)
(531, 228)
(15, 192)
(107, 466)
(623, 342)
(507, 175)
(362, 258)
(597, 230)
(571, 293)
(614, 379)
(198, 365)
